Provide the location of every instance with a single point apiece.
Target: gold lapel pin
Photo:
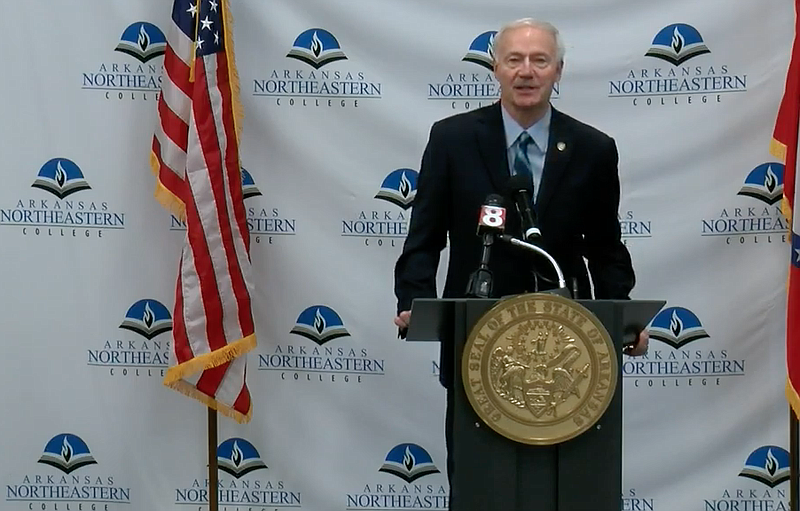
(561, 146)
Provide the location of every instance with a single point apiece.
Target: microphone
(520, 188)
(562, 283)
(492, 219)
(491, 223)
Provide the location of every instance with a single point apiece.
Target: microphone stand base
(480, 284)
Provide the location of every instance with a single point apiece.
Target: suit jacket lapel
(491, 140)
(559, 149)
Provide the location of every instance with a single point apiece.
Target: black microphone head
(518, 183)
(493, 199)
(520, 188)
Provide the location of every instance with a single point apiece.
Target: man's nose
(527, 67)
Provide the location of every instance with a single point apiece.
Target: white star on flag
(192, 10)
(207, 23)
(213, 6)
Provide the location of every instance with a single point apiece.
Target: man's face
(526, 66)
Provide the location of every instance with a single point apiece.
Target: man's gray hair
(533, 23)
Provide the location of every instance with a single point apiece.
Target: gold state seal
(539, 369)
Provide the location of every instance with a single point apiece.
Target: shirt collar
(539, 132)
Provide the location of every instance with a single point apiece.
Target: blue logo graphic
(481, 51)
(147, 318)
(238, 457)
(677, 43)
(320, 324)
(768, 464)
(399, 188)
(61, 177)
(677, 327)
(142, 41)
(316, 47)
(67, 453)
(409, 462)
(764, 183)
(249, 188)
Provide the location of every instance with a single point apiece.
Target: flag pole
(213, 472)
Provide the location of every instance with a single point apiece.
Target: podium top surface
(429, 315)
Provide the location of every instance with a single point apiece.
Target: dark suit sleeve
(415, 271)
(609, 261)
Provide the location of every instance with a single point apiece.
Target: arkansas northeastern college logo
(67, 453)
(678, 365)
(667, 78)
(466, 87)
(677, 327)
(341, 85)
(54, 490)
(747, 221)
(238, 457)
(247, 488)
(61, 177)
(142, 41)
(768, 464)
(764, 183)
(322, 360)
(147, 318)
(385, 227)
(320, 324)
(316, 47)
(481, 51)
(409, 462)
(136, 77)
(59, 214)
(137, 355)
(399, 188)
(677, 43)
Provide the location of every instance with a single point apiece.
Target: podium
(490, 472)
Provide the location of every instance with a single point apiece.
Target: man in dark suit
(573, 168)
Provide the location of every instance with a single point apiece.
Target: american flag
(784, 146)
(195, 156)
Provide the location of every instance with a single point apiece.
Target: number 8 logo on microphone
(494, 217)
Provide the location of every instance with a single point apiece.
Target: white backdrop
(705, 408)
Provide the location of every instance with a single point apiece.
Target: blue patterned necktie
(522, 164)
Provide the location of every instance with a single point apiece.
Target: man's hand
(640, 348)
(403, 319)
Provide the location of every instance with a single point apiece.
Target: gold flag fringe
(793, 398)
(189, 390)
(778, 150)
(163, 195)
(210, 360)
(233, 73)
